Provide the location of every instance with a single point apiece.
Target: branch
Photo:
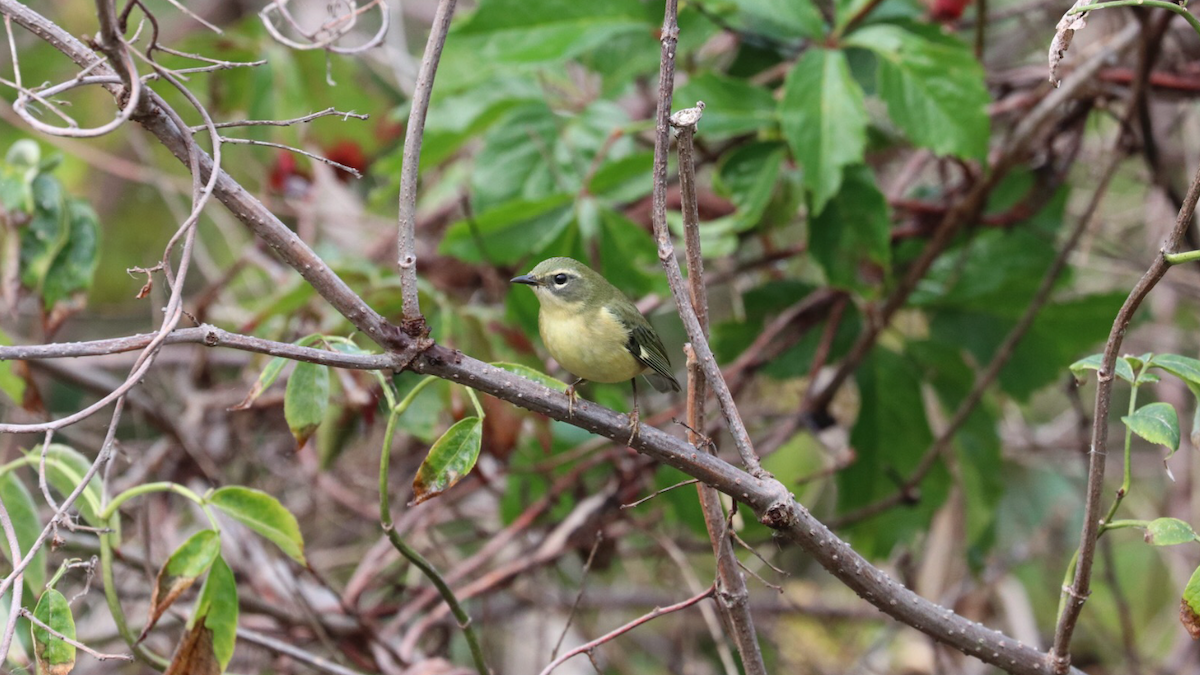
(410, 170)
(99, 656)
(666, 251)
(1081, 587)
(657, 612)
(734, 596)
(775, 509)
(14, 609)
(209, 336)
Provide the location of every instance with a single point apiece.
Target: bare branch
(658, 611)
(328, 112)
(733, 594)
(14, 609)
(413, 135)
(209, 336)
(99, 656)
(1097, 453)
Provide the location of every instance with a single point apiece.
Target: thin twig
(279, 647)
(99, 656)
(1081, 587)
(328, 112)
(587, 567)
(207, 335)
(414, 133)
(14, 609)
(658, 611)
(652, 495)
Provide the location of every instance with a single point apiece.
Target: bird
(595, 331)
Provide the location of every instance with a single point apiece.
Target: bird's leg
(571, 397)
(634, 417)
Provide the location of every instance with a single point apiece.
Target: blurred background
(835, 139)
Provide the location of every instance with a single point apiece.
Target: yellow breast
(589, 344)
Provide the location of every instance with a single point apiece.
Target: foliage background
(833, 139)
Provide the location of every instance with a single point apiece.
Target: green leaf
(207, 646)
(192, 559)
(1093, 362)
(749, 176)
(532, 374)
(1157, 423)
(306, 399)
(934, 88)
(65, 469)
(23, 513)
(624, 180)
(75, 263)
(782, 20)
(628, 255)
(265, 379)
(264, 514)
(853, 229)
(54, 655)
(1189, 613)
(1183, 367)
(516, 161)
(24, 155)
(890, 436)
(519, 32)
(733, 105)
(824, 120)
(46, 233)
(1169, 532)
(509, 232)
(449, 460)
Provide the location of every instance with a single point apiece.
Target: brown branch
(731, 585)
(608, 637)
(776, 509)
(409, 172)
(1081, 587)
(666, 250)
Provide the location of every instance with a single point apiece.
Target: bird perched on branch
(595, 332)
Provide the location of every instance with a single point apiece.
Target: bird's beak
(524, 279)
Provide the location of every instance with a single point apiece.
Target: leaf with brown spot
(450, 459)
(54, 655)
(1189, 606)
(191, 560)
(194, 655)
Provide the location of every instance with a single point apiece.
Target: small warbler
(595, 332)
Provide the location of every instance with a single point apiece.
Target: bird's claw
(634, 426)
(571, 401)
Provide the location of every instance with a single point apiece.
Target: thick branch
(781, 513)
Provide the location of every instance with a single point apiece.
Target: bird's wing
(648, 349)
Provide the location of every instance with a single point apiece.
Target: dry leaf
(1063, 33)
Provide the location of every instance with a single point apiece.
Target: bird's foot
(635, 424)
(571, 400)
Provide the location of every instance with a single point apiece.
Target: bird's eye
(560, 279)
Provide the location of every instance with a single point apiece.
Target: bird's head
(565, 282)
